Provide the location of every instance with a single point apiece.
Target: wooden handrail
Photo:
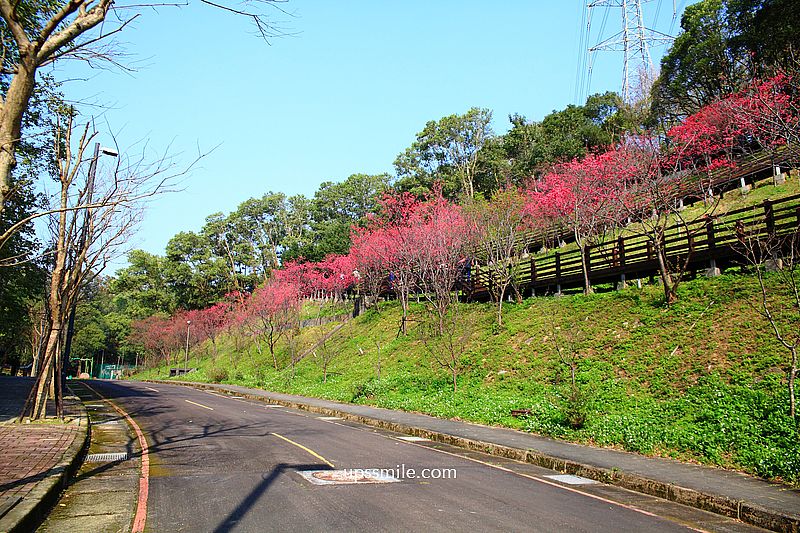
(635, 253)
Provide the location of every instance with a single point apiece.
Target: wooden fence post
(621, 262)
(712, 246)
(769, 216)
(710, 234)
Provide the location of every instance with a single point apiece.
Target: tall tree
(336, 207)
(700, 67)
(445, 150)
(84, 240)
(22, 281)
(525, 147)
(766, 30)
(143, 287)
(577, 130)
(497, 226)
(195, 275)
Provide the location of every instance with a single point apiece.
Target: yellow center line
(312, 452)
(199, 405)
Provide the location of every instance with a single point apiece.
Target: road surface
(221, 463)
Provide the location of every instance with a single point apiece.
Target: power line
(634, 41)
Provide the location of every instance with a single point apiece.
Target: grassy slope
(703, 380)
(718, 398)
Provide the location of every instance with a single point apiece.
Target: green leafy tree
(576, 130)
(194, 274)
(299, 233)
(333, 211)
(494, 168)
(22, 281)
(143, 288)
(526, 148)
(765, 29)
(445, 150)
(700, 67)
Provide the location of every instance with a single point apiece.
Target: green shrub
(217, 374)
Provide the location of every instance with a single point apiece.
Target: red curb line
(144, 478)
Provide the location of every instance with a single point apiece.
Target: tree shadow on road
(246, 504)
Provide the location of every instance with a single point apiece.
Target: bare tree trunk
(55, 304)
(13, 108)
(404, 318)
(666, 277)
(581, 242)
(501, 295)
(44, 382)
(587, 284)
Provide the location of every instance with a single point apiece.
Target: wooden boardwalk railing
(749, 168)
(708, 242)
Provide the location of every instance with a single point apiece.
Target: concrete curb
(28, 513)
(749, 513)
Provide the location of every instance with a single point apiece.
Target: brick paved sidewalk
(30, 453)
(32, 456)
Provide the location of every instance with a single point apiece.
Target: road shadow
(241, 510)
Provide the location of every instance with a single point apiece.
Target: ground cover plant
(701, 380)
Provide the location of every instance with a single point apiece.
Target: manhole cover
(106, 457)
(572, 480)
(348, 477)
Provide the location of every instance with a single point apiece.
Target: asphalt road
(223, 464)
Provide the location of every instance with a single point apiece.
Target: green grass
(320, 309)
(702, 380)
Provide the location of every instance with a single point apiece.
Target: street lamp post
(186, 356)
(98, 151)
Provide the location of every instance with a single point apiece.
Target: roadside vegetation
(687, 367)
(701, 380)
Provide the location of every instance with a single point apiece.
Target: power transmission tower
(634, 41)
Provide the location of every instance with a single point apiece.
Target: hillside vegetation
(701, 380)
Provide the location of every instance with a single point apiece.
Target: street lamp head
(188, 322)
(109, 151)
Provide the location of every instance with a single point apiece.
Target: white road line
(199, 405)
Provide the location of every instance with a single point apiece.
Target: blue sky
(345, 94)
